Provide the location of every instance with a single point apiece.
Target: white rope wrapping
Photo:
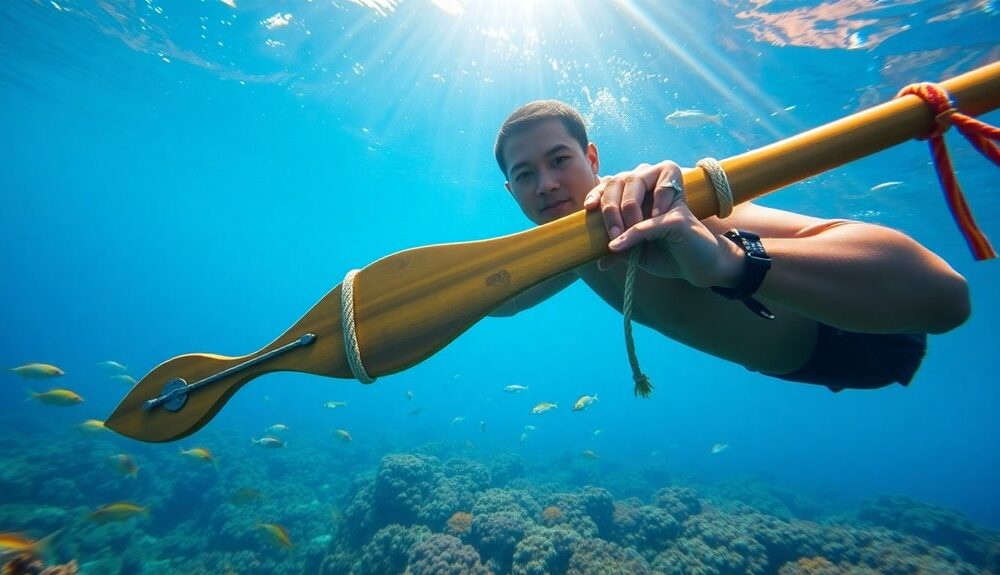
(350, 331)
(720, 183)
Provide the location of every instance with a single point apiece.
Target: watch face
(755, 248)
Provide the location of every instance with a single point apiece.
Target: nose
(547, 182)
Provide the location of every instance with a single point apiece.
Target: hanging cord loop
(979, 135)
(350, 330)
(724, 195)
(643, 387)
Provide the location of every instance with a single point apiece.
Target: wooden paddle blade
(312, 345)
(158, 424)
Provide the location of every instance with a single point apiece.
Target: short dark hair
(534, 113)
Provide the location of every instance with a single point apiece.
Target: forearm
(861, 277)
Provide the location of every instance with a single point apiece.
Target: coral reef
(599, 557)
(545, 550)
(429, 514)
(460, 524)
(933, 524)
(389, 550)
(445, 555)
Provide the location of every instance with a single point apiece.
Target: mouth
(553, 205)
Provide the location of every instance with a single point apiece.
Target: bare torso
(704, 320)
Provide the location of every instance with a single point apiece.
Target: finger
(669, 188)
(611, 206)
(633, 192)
(646, 230)
(593, 198)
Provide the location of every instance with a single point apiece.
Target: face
(549, 174)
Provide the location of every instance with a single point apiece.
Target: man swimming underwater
(852, 302)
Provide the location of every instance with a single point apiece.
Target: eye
(559, 160)
(520, 177)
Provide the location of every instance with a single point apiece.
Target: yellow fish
(60, 397)
(92, 426)
(276, 534)
(584, 402)
(543, 407)
(120, 511)
(18, 544)
(199, 453)
(125, 464)
(245, 495)
(343, 435)
(589, 454)
(124, 378)
(38, 371)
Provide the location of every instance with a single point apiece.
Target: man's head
(550, 166)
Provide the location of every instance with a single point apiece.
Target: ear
(593, 158)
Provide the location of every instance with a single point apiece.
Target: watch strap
(756, 265)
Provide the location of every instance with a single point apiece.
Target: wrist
(731, 264)
(756, 262)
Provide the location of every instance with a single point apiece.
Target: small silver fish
(543, 407)
(886, 186)
(111, 366)
(692, 119)
(782, 111)
(515, 388)
(268, 441)
(719, 448)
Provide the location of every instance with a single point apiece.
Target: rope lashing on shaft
(720, 184)
(724, 195)
(979, 135)
(350, 330)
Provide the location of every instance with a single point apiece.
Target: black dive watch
(757, 264)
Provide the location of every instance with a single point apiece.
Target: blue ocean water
(183, 176)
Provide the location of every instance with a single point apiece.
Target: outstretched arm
(854, 275)
(851, 275)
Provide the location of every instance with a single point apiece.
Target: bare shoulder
(772, 223)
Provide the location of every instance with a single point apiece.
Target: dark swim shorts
(847, 359)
